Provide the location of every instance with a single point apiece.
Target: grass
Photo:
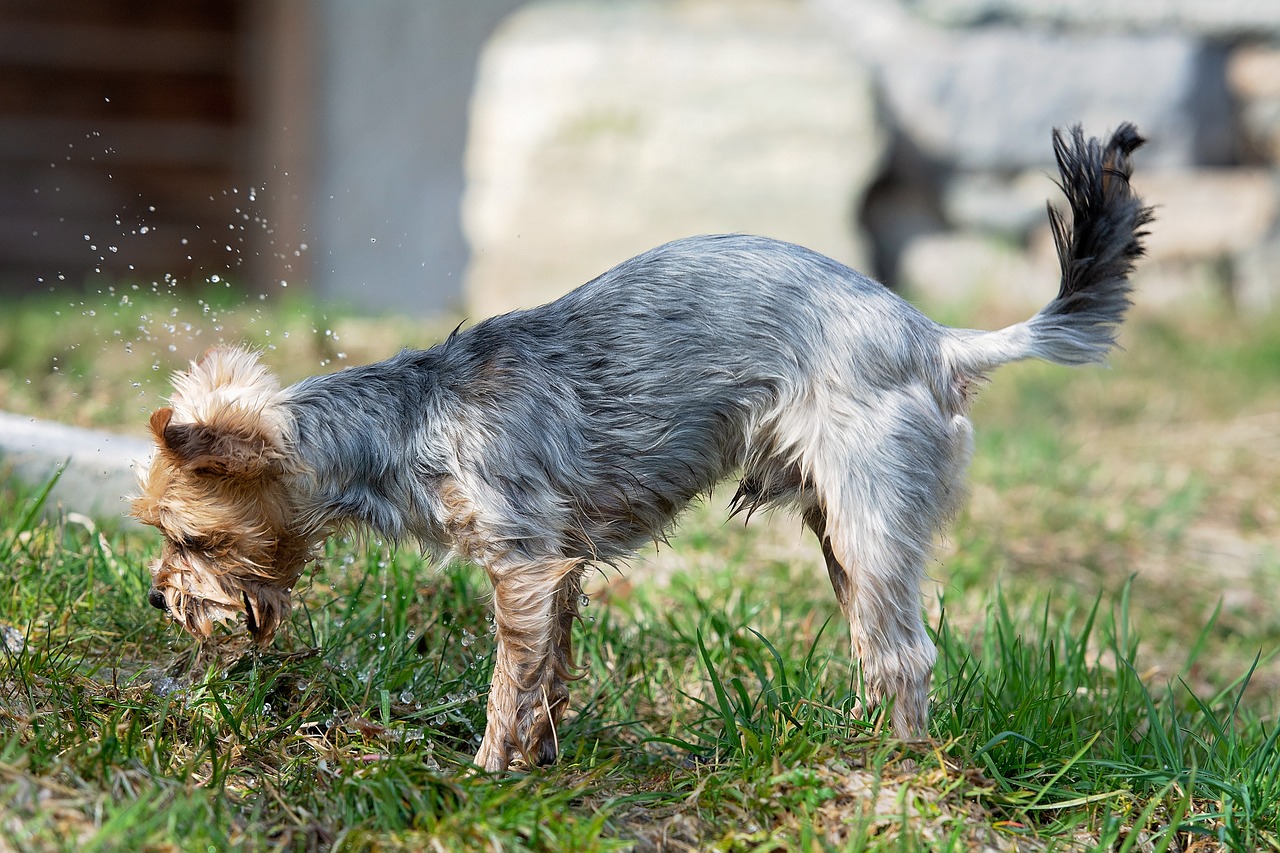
(1103, 611)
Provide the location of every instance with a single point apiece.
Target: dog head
(217, 489)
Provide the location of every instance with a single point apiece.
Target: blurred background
(429, 156)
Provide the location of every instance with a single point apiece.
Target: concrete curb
(98, 468)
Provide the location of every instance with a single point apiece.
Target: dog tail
(1096, 252)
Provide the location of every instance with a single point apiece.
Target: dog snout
(156, 599)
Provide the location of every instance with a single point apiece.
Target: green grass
(1103, 609)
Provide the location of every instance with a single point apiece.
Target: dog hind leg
(815, 518)
(886, 626)
(886, 479)
(882, 608)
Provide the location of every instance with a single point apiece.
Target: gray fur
(591, 422)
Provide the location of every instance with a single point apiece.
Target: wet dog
(542, 441)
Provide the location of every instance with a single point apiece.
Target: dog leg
(534, 608)
(841, 581)
(886, 625)
(568, 597)
(884, 673)
(886, 471)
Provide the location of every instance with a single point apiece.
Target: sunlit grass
(1103, 609)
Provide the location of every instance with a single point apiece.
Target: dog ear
(214, 450)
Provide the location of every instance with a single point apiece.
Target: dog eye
(193, 543)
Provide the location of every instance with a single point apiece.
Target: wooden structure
(318, 142)
(125, 141)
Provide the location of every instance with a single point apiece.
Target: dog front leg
(534, 606)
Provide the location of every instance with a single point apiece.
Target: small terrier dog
(542, 441)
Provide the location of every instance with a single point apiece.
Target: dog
(543, 441)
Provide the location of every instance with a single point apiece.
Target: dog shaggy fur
(542, 441)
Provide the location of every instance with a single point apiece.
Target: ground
(1103, 607)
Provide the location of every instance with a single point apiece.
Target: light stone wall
(391, 88)
(599, 130)
(972, 88)
(910, 138)
(879, 131)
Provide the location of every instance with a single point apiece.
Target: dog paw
(906, 710)
(494, 755)
(528, 736)
(500, 752)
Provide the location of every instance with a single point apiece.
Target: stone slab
(1208, 213)
(599, 130)
(98, 468)
(1218, 18)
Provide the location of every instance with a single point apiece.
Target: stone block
(1208, 213)
(1253, 71)
(1008, 206)
(1182, 287)
(1255, 285)
(987, 99)
(599, 130)
(963, 268)
(98, 468)
(1219, 18)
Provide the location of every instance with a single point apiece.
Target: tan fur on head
(230, 384)
(216, 488)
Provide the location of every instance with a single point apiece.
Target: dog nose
(156, 599)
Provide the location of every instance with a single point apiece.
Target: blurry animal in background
(542, 441)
